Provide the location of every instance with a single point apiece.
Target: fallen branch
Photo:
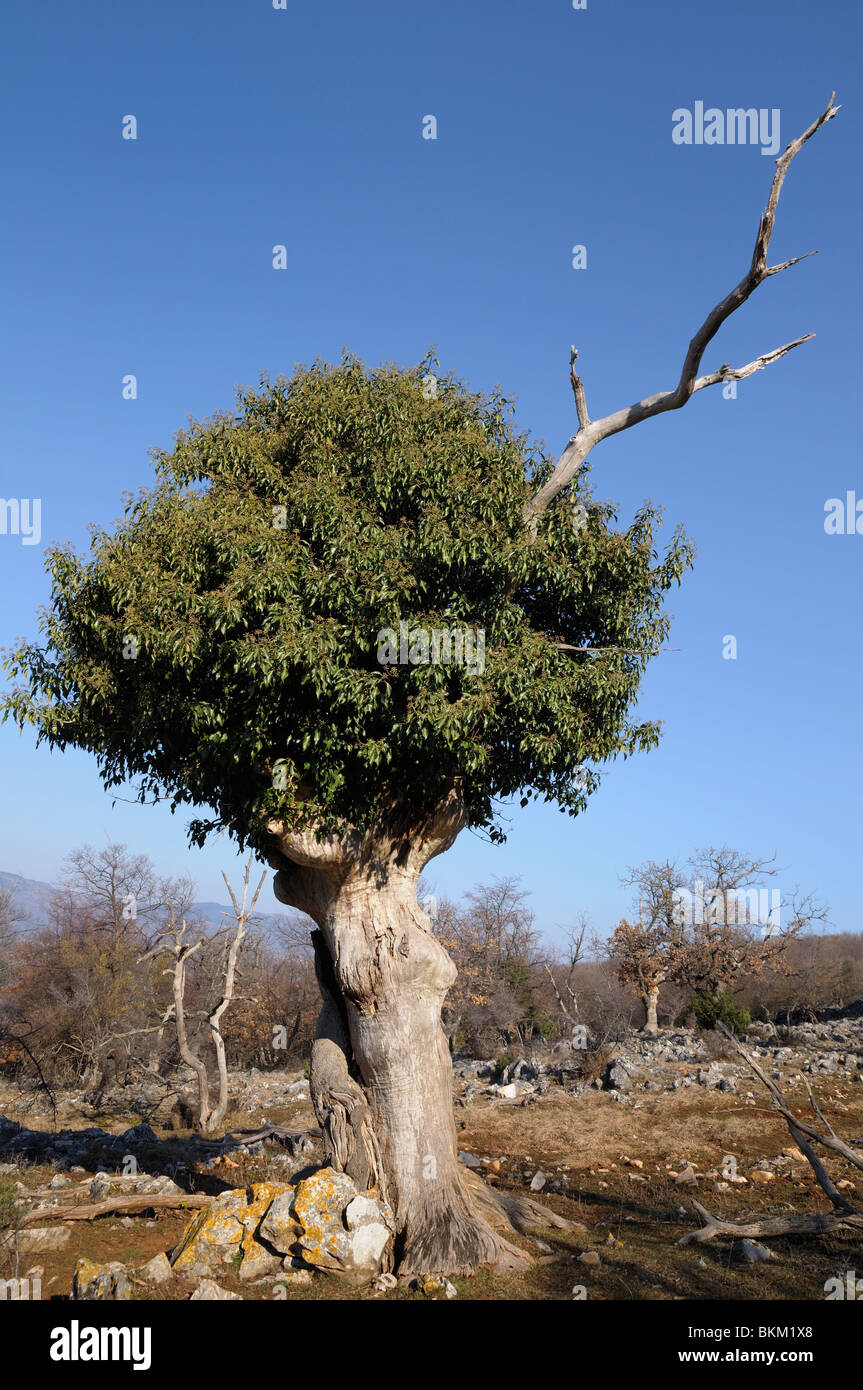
(254, 1136)
(843, 1217)
(140, 1202)
(807, 1224)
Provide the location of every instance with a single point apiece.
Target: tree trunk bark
(651, 1000)
(381, 1074)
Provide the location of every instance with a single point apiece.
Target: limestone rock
(323, 1222)
(752, 1251)
(157, 1270)
(94, 1281)
(278, 1227)
(326, 1242)
(34, 1239)
(211, 1237)
(162, 1186)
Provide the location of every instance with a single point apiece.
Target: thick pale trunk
(394, 975)
(381, 1074)
(651, 1000)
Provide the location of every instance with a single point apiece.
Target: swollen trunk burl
(381, 1076)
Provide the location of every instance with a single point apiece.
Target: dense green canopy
(221, 644)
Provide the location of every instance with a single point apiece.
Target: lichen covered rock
(211, 1238)
(100, 1281)
(324, 1223)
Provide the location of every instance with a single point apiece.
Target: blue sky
(303, 127)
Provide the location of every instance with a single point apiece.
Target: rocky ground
(673, 1060)
(618, 1143)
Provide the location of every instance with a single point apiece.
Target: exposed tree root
(509, 1214)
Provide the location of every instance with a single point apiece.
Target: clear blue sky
(304, 127)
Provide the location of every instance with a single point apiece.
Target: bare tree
(563, 973)
(172, 940)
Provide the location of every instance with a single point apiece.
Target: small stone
(210, 1292)
(162, 1186)
(589, 1257)
(469, 1160)
(686, 1177)
(753, 1251)
(617, 1078)
(538, 1181)
(433, 1285)
(295, 1277)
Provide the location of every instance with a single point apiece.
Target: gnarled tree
(222, 646)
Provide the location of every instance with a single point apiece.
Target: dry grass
(582, 1144)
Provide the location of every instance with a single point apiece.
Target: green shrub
(546, 1026)
(502, 1062)
(710, 1009)
(11, 1209)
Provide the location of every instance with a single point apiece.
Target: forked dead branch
(592, 432)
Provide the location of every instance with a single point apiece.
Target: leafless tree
(173, 941)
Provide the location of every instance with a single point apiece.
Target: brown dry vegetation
(583, 1146)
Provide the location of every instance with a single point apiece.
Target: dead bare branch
(116, 1204)
(843, 1217)
(807, 1224)
(592, 432)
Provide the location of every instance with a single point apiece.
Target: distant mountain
(31, 897)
